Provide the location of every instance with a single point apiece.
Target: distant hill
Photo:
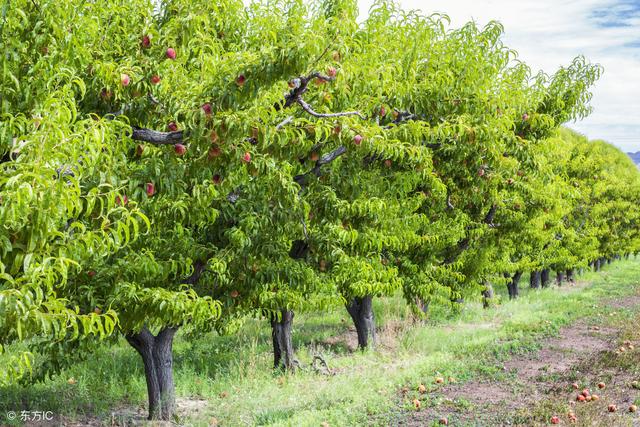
(635, 157)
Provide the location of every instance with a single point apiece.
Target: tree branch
(157, 137)
(306, 107)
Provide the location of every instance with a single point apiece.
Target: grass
(229, 380)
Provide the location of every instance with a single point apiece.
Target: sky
(550, 33)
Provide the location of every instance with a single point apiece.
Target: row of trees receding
(162, 169)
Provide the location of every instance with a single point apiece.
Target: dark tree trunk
(596, 265)
(283, 355)
(559, 277)
(544, 278)
(422, 305)
(534, 279)
(571, 277)
(608, 260)
(487, 295)
(361, 311)
(512, 285)
(157, 356)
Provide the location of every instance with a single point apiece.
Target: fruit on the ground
(155, 79)
(206, 107)
(633, 408)
(125, 79)
(246, 157)
(580, 398)
(439, 380)
(588, 398)
(171, 53)
(416, 403)
(612, 408)
(622, 349)
(214, 152)
(595, 397)
(443, 421)
(601, 385)
(555, 420)
(357, 139)
(627, 342)
(575, 386)
(146, 42)
(331, 71)
(241, 79)
(180, 149)
(217, 179)
(172, 127)
(422, 388)
(630, 347)
(585, 392)
(150, 189)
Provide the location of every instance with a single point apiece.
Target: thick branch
(306, 107)
(301, 180)
(157, 137)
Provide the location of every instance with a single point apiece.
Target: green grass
(365, 389)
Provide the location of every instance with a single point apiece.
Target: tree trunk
(512, 285)
(283, 355)
(487, 295)
(597, 265)
(534, 279)
(559, 277)
(544, 278)
(361, 311)
(157, 356)
(571, 275)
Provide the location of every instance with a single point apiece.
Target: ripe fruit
(416, 403)
(217, 179)
(171, 53)
(633, 408)
(601, 385)
(481, 172)
(580, 398)
(155, 80)
(443, 421)
(247, 157)
(125, 79)
(585, 392)
(214, 152)
(234, 294)
(422, 388)
(357, 139)
(588, 398)
(240, 80)
(595, 397)
(180, 149)
(122, 200)
(383, 111)
(91, 273)
(97, 310)
(172, 127)
(331, 72)
(150, 189)
(207, 109)
(525, 117)
(612, 408)
(323, 265)
(314, 157)
(439, 380)
(630, 347)
(555, 420)
(146, 42)
(387, 163)
(575, 386)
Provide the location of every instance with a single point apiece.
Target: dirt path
(536, 385)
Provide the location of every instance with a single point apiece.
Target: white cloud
(548, 34)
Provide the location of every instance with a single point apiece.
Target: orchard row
(193, 164)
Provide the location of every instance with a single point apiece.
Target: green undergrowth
(229, 380)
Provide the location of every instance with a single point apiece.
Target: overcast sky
(550, 33)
